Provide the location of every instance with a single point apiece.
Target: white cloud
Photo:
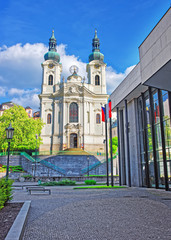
(19, 92)
(113, 78)
(21, 73)
(69, 60)
(20, 66)
(2, 91)
(28, 98)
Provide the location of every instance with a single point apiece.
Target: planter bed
(7, 216)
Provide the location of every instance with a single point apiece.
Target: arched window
(98, 118)
(97, 80)
(49, 118)
(50, 80)
(73, 112)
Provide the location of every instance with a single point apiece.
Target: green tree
(114, 144)
(25, 129)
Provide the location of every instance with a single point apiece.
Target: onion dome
(96, 54)
(52, 53)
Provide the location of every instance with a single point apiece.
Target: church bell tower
(96, 67)
(51, 69)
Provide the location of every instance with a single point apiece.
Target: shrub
(13, 168)
(5, 191)
(64, 182)
(27, 176)
(90, 182)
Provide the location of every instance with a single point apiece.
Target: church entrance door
(73, 140)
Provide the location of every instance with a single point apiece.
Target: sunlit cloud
(21, 72)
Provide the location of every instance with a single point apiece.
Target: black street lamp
(35, 158)
(88, 165)
(9, 133)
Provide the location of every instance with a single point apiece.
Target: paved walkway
(108, 214)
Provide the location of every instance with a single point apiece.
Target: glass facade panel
(149, 139)
(141, 139)
(143, 167)
(167, 133)
(145, 129)
(158, 140)
(168, 153)
(169, 172)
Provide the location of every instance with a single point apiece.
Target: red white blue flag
(103, 114)
(108, 112)
(110, 109)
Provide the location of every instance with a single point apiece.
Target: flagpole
(111, 158)
(107, 168)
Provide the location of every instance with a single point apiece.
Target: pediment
(73, 89)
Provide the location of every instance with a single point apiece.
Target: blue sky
(26, 25)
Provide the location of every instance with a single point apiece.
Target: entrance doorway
(73, 140)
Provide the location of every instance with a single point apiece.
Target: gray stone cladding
(13, 160)
(72, 166)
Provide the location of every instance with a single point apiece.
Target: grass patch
(98, 187)
(83, 184)
(99, 175)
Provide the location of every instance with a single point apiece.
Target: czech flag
(103, 114)
(110, 109)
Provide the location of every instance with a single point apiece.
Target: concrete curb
(17, 229)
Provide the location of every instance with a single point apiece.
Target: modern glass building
(155, 137)
(143, 105)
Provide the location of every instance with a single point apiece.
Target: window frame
(98, 118)
(50, 80)
(97, 80)
(49, 118)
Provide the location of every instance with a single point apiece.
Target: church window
(50, 80)
(98, 118)
(49, 118)
(97, 80)
(73, 112)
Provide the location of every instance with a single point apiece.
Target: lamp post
(9, 134)
(104, 141)
(88, 165)
(35, 157)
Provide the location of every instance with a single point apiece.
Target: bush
(27, 176)
(64, 182)
(90, 182)
(5, 191)
(13, 168)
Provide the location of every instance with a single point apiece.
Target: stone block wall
(13, 160)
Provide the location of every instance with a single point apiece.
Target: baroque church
(71, 110)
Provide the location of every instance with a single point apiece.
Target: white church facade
(71, 110)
